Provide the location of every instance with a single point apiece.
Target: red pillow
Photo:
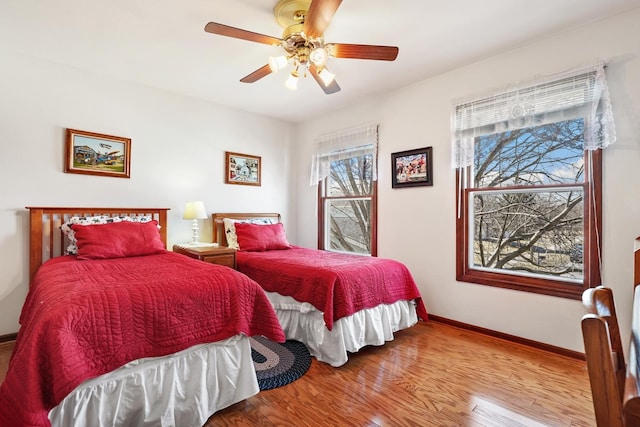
(118, 240)
(257, 238)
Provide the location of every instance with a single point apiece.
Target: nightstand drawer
(229, 259)
(211, 254)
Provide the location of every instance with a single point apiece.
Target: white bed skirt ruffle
(182, 389)
(374, 326)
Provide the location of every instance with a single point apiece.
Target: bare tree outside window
(348, 194)
(528, 215)
(527, 200)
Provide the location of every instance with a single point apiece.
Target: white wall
(178, 149)
(177, 155)
(417, 225)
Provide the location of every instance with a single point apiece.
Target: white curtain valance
(341, 145)
(580, 92)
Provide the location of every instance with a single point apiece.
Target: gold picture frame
(91, 153)
(243, 169)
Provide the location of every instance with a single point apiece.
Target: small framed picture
(412, 168)
(242, 169)
(91, 153)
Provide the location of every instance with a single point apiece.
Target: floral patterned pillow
(230, 228)
(72, 248)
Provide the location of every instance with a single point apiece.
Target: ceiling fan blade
(362, 51)
(332, 87)
(319, 16)
(237, 33)
(257, 74)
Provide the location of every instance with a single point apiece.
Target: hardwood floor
(431, 375)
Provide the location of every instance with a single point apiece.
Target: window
(529, 185)
(347, 191)
(347, 203)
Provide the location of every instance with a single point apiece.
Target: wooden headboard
(220, 237)
(46, 240)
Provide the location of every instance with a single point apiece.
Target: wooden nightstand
(220, 255)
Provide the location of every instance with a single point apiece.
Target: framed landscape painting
(242, 169)
(412, 168)
(93, 153)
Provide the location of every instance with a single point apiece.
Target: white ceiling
(162, 43)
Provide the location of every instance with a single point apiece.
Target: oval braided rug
(278, 364)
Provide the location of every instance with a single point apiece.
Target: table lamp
(195, 211)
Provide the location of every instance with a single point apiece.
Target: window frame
(323, 200)
(592, 220)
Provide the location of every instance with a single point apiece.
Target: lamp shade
(194, 210)
(292, 81)
(326, 76)
(277, 63)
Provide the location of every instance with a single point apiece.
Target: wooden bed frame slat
(42, 239)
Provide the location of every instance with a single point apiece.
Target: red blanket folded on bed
(82, 319)
(336, 284)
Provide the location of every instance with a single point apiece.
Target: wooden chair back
(605, 356)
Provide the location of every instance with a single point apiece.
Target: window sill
(525, 284)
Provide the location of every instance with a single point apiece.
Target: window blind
(341, 145)
(581, 92)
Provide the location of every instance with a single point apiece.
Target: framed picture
(93, 153)
(412, 168)
(242, 169)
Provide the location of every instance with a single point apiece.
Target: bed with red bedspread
(335, 303)
(85, 317)
(338, 285)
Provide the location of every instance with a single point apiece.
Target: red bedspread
(82, 319)
(336, 284)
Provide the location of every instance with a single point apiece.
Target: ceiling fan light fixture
(277, 63)
(292, 81)
(318, 57)
(326, 76)
(330, 49)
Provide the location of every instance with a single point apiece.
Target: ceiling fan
(304, 23)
